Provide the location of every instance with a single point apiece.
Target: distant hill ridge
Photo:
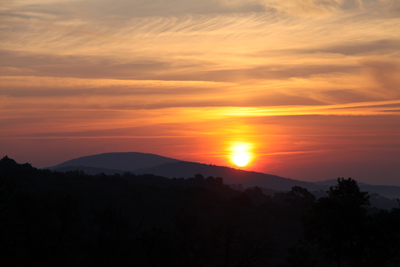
(121, 161)
(145, 163)
(230, 175)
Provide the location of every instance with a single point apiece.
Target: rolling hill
(230, 175)
(122, 161)
(144, 163)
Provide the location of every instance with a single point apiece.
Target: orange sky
(311, 88)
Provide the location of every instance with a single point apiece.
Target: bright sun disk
(241, 159)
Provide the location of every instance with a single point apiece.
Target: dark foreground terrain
(72, 219)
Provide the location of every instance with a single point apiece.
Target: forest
(50, 218)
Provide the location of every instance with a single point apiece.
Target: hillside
(122, 161)
(144, 163)
(230, 175)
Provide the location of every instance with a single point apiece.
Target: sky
(309, 89)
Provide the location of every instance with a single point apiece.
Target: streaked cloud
(305, 7)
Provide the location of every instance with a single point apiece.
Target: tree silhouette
(336, 223)
(299, 196)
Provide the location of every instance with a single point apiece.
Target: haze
(311, 88)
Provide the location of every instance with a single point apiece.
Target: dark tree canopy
(339, 227)
(347, 192)
(74, 219)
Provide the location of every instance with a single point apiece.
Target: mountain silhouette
(121, 161)
(145, 163)
(230, 175)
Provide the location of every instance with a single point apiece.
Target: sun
(241, 159)
(240, 153)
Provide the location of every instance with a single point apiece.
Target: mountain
(230, 175)
(144, 163)
(124, 161)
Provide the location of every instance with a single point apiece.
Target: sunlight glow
(241, 154)
(241, 159)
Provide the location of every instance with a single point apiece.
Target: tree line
(74, 219)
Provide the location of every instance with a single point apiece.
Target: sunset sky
(310, 89)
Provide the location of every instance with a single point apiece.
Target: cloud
(385, 75)
(307, 60)
(272, 72)
(33, 86)
(79, 66)
(355, 48)
(115, 11)
(119, 10)
(168, 69)
(304, 7)
(343, 96)
(311, 8)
